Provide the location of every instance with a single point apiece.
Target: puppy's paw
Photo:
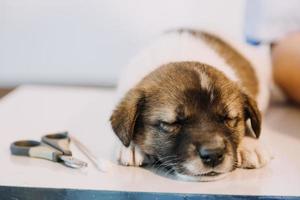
(252, 154)
(130, 156)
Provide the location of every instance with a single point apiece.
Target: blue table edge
(13, 192)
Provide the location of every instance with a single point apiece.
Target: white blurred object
(100, 164)
(269, 20)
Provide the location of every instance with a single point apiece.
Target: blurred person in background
(277, 23)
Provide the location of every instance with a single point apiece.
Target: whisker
(159, 162)
(165, 165)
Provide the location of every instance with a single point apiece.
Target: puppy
(193, 102)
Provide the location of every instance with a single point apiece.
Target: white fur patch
(252, 154)
(130, 156)
(172, 47)
(200, 178)
(205, 81)
(195, 166)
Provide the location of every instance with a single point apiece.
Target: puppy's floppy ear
(124, 116)
(251, 112)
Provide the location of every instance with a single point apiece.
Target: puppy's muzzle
(212, 153)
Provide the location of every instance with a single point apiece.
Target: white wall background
(89, 41)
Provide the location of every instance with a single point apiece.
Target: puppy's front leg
(130, 156)
(252, 154)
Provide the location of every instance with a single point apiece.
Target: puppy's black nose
(212, 156)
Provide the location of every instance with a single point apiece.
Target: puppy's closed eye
(230, 122)
(169, 127)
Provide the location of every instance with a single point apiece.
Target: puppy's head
(189, 117)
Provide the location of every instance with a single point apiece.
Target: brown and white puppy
(193, 103)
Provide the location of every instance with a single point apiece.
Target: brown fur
(242, 67)
(170, 112)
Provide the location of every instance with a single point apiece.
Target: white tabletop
(32, 111)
